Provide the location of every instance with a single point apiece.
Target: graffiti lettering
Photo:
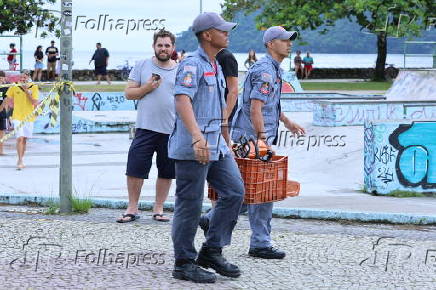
(369, 158)
(96, 102)
(421, 112)
(115, 101)
(80, 101)
(385, 175)
(416, 160)
(82, 127)
(339, 114)
(385, 154)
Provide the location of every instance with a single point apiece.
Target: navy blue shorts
(100, 70)
(141, 151)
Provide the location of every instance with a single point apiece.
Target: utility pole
(201, 6)
(65, 170)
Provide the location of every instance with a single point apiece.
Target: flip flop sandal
(161, 219)
(133, 217)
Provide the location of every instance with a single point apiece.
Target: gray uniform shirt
(198, 79)
(156, 110)
(263, 82)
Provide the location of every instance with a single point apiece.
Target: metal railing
(405, 54)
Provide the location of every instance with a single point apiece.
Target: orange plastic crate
(264, 181)
(293, 188)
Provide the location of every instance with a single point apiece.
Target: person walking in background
(25, 98)
(308, 65)
(12, 56)
(251, 59)
(151, 82)
(52, 54)
(101, 60)
(39, 56)
(298, 65)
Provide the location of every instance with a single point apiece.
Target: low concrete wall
(304, 102)
(88, 75)
(353, 113)
(400, 155)
(90, 122)
(317, 73)
(102, 101)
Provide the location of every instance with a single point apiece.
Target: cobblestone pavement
(92, 251)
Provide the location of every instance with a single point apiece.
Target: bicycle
(125, 70)
(391, 72)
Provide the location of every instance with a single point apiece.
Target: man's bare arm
(232, 96)
(292, 126)
(134, 91)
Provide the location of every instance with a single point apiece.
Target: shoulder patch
(187, 79)
(265, 88)
(266, 77)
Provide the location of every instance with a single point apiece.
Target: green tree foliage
(336, 40)
(244, 37)
(20, 16)
(382, 18)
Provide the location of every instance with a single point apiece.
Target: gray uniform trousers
(225, 178)
(260, 216)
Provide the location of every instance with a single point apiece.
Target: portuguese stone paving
(92, 251)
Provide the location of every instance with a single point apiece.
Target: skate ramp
(413, 85)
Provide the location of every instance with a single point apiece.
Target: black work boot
(192, 272)
(204, 224)
(211, 257)
(267, 253)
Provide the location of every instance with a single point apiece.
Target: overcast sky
(175, 15)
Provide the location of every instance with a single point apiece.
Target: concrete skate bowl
(411, 85)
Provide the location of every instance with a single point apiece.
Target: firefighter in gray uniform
(201, 152)
(258, 118)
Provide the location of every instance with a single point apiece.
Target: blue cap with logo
(208, 20)
(278, 32)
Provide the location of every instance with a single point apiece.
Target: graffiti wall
(400, 156)
(101, 101)
(104, 101)
(290, 83)
(339, 113)
(90, 122)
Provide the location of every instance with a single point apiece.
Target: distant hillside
(337, 40)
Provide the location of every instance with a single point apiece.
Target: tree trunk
(382, 46)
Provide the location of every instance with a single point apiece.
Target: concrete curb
(280, 212)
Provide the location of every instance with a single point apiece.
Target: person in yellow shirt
(24, 97)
